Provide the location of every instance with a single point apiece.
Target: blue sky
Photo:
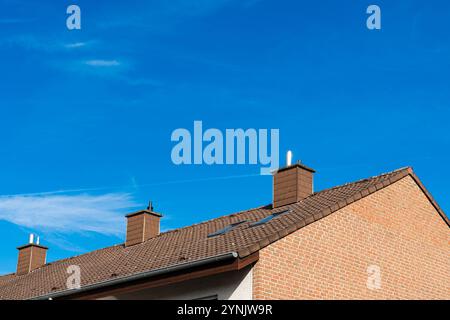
(86, 115)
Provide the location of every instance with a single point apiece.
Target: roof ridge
(365, 179)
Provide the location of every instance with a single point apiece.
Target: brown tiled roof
(192, 243)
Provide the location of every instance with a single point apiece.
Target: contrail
(46, 193)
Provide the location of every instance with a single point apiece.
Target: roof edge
(296, 165)
(429, 196)
(152, 213)
(32, 245)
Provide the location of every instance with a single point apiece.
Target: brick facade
(396, 229)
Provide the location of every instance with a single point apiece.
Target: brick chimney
(31, 257)
(292, 183)
(142, 225)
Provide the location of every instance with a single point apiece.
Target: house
(379, 238)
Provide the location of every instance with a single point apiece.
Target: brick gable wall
(396, 229)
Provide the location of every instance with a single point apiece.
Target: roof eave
(140, 276)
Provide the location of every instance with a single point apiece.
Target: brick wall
(396, 229)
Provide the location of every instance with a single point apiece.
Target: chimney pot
(289, 158)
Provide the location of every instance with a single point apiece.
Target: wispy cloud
(133, 185)
(31, 42)
(110, 69)
(102, 63)
(76, 45)
(79, 213)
